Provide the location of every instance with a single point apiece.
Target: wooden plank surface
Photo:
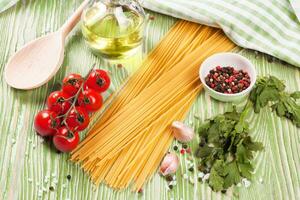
(29, 165)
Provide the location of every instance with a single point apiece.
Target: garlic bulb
(182, 132)
(169, 164)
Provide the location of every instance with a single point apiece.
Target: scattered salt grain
(200, 175)
(261, 180)
(185, 176)
(13, 141)
(167, 187)
(246, 182)
(29, 180)
(206, 177)
(55, 181)
(173, 183)
(192, 180)
(174, 177)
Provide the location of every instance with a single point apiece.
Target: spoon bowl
(36, 63)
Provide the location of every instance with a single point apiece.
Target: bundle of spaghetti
(192, 36)
(118, 135)
(189, 35)
(189, 40)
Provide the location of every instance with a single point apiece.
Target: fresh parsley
(226, 149)
(271, 91)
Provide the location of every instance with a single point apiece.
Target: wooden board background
(29, 165)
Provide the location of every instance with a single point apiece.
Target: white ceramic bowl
(227, 59)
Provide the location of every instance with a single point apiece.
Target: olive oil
(113, 31)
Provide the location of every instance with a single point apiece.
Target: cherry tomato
(46, 123)
(98, 80)
(78, 119)
(58, 102)
(90, 100)
(65, 140)
(72, 83)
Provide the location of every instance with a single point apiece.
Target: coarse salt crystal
(185, 176)
(246, 182)
(200, 174)
(192, 180)
(167, 187)
(173, 183)
(206, 177)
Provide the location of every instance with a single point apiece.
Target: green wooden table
(29, 166)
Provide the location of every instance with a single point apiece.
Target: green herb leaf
(296, 95)
(252, 146)
(246, 170)
(270, 90)
(204, 151)
(233, 175)
(229, 149)
(216, 181)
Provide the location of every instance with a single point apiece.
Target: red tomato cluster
(68, 110)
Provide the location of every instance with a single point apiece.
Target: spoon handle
(74, 19)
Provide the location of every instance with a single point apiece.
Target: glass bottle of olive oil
(113, 28)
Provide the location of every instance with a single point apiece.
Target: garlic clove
(169, 165)
(182, 132)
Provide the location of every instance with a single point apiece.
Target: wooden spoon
(38, 61)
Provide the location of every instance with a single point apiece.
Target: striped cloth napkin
(269, 26)
(296, 6)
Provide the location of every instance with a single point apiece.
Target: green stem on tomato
(75, 97)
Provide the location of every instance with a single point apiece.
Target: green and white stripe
(269, 26)
(296, 6)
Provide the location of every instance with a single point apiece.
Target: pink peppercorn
(182, 151)
(189, 150)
